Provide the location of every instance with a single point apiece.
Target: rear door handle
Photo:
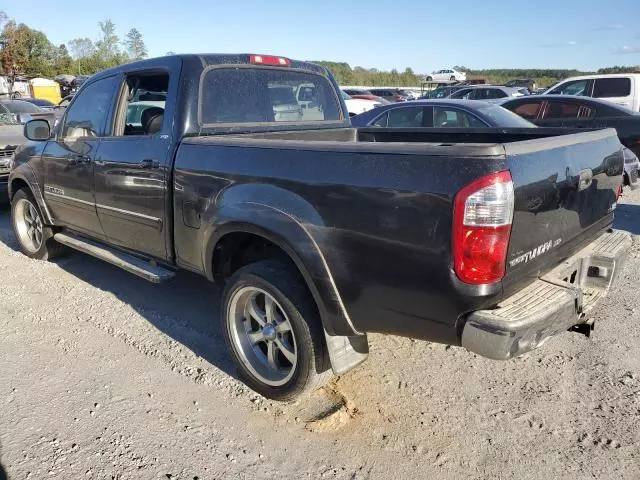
(149, 163)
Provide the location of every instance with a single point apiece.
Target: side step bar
(150, 272)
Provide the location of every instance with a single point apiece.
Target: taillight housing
(482, 217)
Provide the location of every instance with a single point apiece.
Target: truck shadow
(627, 218)
(186, 308)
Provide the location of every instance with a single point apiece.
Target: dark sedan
(440, 113)
(21, 111)
(580, 112)
(40, 102)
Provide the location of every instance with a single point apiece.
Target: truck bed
(378, 204)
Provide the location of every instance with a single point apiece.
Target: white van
(620, 88)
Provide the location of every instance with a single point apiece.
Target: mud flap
(345, 352)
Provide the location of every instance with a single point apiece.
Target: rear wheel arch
(294, 248)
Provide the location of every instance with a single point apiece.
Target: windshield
(345, 95)
(504, 118)
(230, 95)
(18, 106)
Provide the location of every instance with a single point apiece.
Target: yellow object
(45, 89)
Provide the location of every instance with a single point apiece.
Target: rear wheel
(273, 331)
(453, 79)
(34, 237)
(429, 79)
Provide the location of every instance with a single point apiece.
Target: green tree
(26, 51)
(83, 52)
(135, 45)
(107, 45)
(63, 62)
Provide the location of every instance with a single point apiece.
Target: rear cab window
(231, 95)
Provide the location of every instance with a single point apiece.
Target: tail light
(482, 217)
(269, 60)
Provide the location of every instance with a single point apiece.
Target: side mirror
(37, 130)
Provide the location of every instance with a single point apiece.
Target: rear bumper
(550, 305)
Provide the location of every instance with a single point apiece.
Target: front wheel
(453, 79)
(34, 237)
(273, 330)
(429, 79)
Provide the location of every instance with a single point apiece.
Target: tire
(258, 341)
(34, 237)
(453, 79)
(429, 79)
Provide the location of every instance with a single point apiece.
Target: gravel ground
(105, 376)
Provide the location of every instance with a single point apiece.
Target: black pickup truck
(493, 240)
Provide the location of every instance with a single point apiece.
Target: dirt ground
(105, 376)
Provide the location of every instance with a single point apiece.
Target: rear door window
(561, 110)
(408, 117)
(612, 87)
(265, 95)
(447, 117)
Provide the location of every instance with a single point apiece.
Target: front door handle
(149, 163)
(79, 159)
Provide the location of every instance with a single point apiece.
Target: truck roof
(208, 59)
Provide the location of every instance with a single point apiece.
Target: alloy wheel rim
(262, 336)
(29, 225)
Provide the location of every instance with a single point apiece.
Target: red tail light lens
(269, 60)
(482, 217)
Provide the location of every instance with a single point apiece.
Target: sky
(424, 35)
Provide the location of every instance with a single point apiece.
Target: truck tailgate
(565, 193)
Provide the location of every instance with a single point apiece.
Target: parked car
(23, 111)
(620, 88)
(442, 92)
(366, 95)
(391, 94)
(10, 138)
(322, 232)
(40, 102)
(522, 83)
(583, 112)
(441, 114)
(356, 91)
(486, 92)
(380, 100)
(356, 106)
(446, 75)
(285, 106)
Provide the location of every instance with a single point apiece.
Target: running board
(143, 269)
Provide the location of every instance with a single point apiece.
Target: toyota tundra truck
(493, 240)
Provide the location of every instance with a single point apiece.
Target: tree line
(29, 52)
(345, 75)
